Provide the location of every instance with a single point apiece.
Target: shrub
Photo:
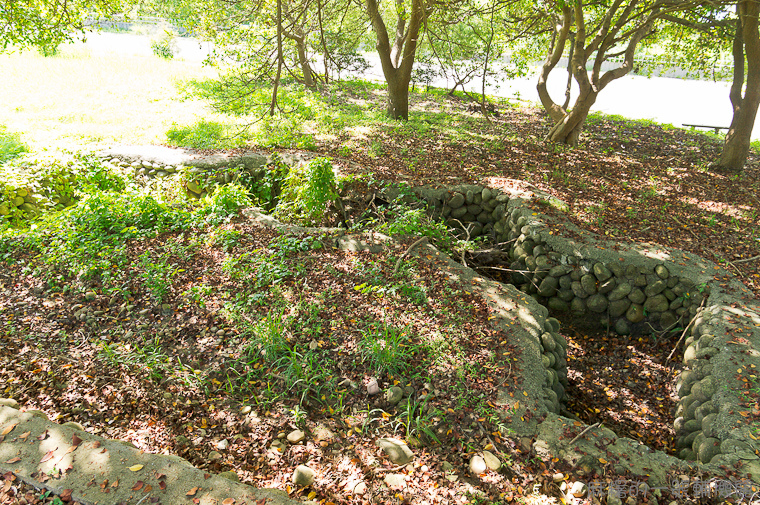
(223, 204)
(29, 188)
(307, 192)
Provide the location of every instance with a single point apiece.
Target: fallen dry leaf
(48, 456)
(8, 429)
(162, 485)
(148, 488)
(75, 440)
(24, 435)
(228, 501)
(66, 495)
(192, 491)
(136, 468)
(13, 460)
(138, 485)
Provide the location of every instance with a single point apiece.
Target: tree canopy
(48, 23)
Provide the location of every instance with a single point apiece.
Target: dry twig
(595, 425)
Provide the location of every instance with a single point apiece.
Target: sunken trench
(642, 345)
(637, 303)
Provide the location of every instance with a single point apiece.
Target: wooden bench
(717, 129)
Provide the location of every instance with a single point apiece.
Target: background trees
(312, 41)
(48, 23)
(603, 40)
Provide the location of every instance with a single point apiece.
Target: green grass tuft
(204, 135)
(11, 145)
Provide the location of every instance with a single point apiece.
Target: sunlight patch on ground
(127, 99)
(357, 101)
(310, 128)
(360, 132)
(737, 212)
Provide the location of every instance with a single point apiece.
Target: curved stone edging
(530, 412)
(635, 288)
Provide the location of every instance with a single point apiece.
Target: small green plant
(92, 176)
(387, 349)
(259, 270)
(345, 150)
(417, 420)
(266, 190)
(299, 415)
(226, 239)
(198, 294)
(375, 150)
(157, 275)
(151, 357)
(223, 204)
(11, 145)
(164, 46)
(406, 215)
(307, 192)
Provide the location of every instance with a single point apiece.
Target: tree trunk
(552, 58)
(568, 130)
(746, 42)
(308, 77)
(398, 97)
(569, 86)
(398, 73)
(276, 84)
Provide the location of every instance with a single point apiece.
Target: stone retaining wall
(633, 289)
(199, 175)
(631, 298)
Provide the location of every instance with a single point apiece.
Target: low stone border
(201, 173)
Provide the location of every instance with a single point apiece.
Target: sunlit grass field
(77, 99)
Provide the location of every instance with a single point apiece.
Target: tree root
(409, 249)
